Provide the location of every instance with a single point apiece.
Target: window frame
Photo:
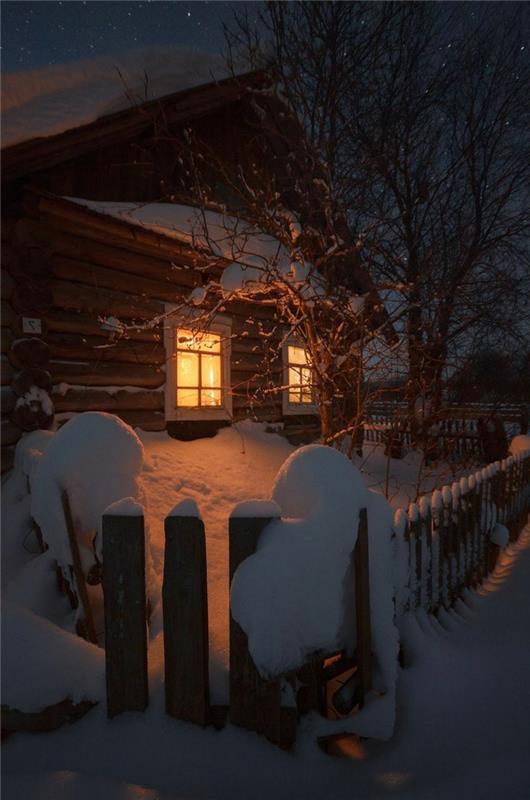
(221, 325)
(289, 408)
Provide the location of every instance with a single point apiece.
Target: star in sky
(38, 34)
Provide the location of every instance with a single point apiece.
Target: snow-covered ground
(463, 699)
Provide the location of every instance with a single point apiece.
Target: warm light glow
(299, 375)
(198, 368)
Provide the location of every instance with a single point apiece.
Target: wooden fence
(446, 541)
(268, 707)
(456, 430)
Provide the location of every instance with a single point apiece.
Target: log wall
(67, 268)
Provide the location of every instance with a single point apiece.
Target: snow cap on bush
(316, 481)
(97, 459)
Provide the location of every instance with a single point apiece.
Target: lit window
(299, 376)
(199, 369)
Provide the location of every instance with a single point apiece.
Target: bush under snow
(97, 459)
(296, 594)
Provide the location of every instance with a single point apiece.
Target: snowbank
(97, 459)
(43, 665)
(54, 99)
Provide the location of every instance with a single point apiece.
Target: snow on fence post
(255, 704)
(185, 606)
(125, 607)
(362, 609)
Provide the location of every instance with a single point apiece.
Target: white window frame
(222, 325)
(297, 409)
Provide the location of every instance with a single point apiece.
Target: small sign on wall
(31, 325)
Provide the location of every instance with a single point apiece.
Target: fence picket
(185, 606)
(123, 581)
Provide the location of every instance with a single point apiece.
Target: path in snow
(240, 463)
(463, 728)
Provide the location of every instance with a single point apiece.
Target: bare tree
(419, 113)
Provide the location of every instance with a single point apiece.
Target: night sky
(36, 34)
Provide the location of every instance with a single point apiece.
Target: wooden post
(416, 555)
(426, 537)
(185, 605)
(255, 703)
(125, 613)
(362, 609)
(86, 628)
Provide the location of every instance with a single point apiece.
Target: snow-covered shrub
(296, 594)
(97, 459)
(28, 451)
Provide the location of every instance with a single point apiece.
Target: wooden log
(185, 605)
(100, 400)
(132, 283)
(74, 346)
(7, 314)
(7, 284)
(63, 239)
(7, 371)
(30, 352)
(362, 610)
(77, 297)
(8, 399)
(30, 263)
(6, 339)
(11, 433)
(87, 623)
(48, 719)
(255, 704)
(125, 613)
(87, 324)
(107, 374)
(27, 378)
(32, 298)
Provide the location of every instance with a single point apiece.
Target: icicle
(464, 485)
(446, 495)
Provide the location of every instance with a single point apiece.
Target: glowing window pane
(188, 397)
(210, 370)
(187, 369)
(294, 396)
(185, 339)
(297, 355)
(211, 397)
(209, 342)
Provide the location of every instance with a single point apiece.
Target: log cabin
(72, 267)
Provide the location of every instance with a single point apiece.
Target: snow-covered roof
(226, 236)
(54, 99)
